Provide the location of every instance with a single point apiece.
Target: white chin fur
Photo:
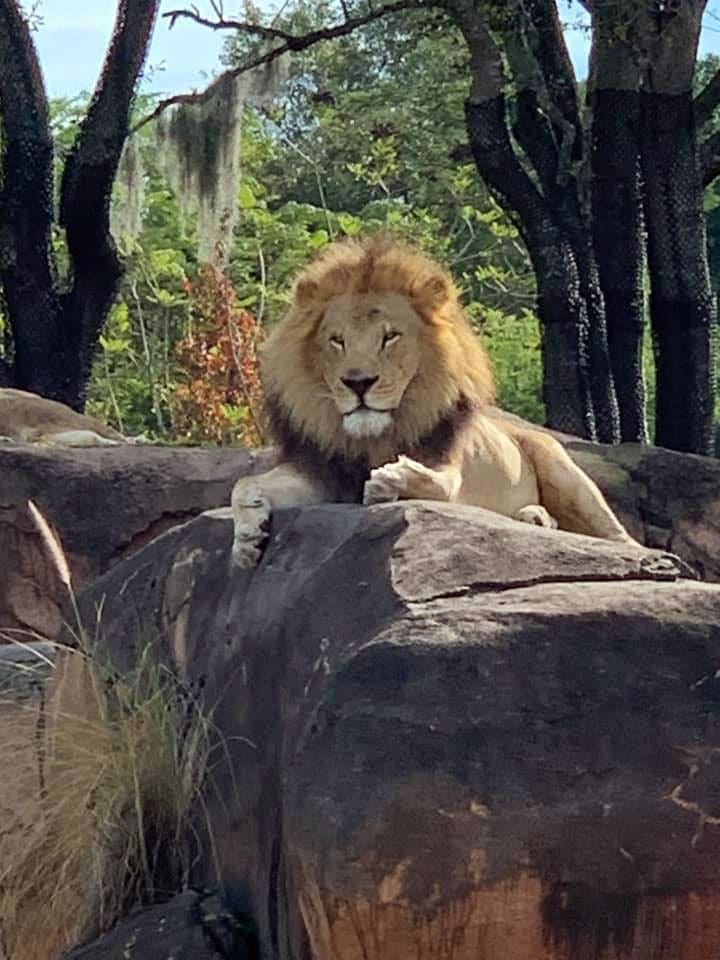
(366, 423)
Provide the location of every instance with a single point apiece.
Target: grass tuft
(103, 781)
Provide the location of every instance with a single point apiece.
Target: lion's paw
(387, 483)
(403, 478)
(251, 525)
(380, 488)
(537, 515)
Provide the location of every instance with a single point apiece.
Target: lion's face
(369, 352)
(372, 354)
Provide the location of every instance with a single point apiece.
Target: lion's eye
(338, 343)
(390, 337)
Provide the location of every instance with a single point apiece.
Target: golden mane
(455, 366)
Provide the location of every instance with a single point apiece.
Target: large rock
(107, 503)
(104, 503)
(445, 734)
(192, 926)
(668, 500)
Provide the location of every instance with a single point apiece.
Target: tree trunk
(86, 190)
(550, 131)
(681, 303)
(27, 268)
(602, 386)
(542, 143)
(618, 245)
(561, 309)
(54, 336)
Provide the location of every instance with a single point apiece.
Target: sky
(74, 35)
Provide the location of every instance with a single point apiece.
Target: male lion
(377, 389)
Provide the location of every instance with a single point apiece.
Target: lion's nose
(359, 384)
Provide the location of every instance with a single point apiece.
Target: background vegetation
(355, 147)
(372, 133)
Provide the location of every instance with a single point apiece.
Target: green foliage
(370, 137)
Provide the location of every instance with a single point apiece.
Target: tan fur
(374, 353)
(28, 418)
(453, 360)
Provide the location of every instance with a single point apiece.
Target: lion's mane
(454, 370)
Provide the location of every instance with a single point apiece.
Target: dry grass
(104, 784)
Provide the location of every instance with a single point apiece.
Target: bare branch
(706, 101)
(241, 26)
(292, 44)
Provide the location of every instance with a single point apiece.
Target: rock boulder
(107, 503)
(446, 734)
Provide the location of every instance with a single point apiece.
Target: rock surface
(104, 504)
(445, 734)
(107, 503)
(191, 926)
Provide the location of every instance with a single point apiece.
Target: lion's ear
(306, 291)
(433, 293)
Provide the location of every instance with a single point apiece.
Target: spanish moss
(199, 148)
(126, 212)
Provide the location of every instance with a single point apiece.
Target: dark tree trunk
(681, 303)
(549, 130)
(561, 308)
(548, 207)
(54, 337)
(602, 385)
(27, 269)
(86, 190)
(619, 247)
(542, 143)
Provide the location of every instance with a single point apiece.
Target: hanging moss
(127, 206)
(199, 150)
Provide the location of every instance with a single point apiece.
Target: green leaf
(246, 197)
(318, 239)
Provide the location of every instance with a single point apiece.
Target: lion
(377, 389)
(28, 418)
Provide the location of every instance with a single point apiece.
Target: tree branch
(548, 126)
(241, 26)
(87, 185)
(706, 101)
(552, 54)
(492, 150)
(291, 44)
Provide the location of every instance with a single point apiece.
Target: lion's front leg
(254, 499)
(406, 479)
